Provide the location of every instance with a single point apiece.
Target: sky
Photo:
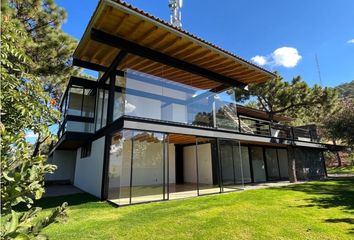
(282, 36)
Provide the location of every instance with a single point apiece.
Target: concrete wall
(65, 162)
(88, 173)
(309, 163)
(204, 164)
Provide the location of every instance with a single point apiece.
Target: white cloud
(260, 60)
(350, 41)
(285, 56)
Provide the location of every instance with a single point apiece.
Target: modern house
(161, 121)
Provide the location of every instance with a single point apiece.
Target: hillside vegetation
(346, 89)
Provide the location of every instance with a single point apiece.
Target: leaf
(14, 222)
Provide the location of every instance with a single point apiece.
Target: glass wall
(208, 171)
(232, 168)
(272, 163)
(101, 109)
(258, 166)
(151, 166)
(157, 98)
(283, 163)
(225, 111)
(81, 102)
(120, 167)
(244, 165)
(136, 167)
(148, 178)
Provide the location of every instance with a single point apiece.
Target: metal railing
(266, 128)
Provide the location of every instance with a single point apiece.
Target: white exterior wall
(88, 172)
(65, 162)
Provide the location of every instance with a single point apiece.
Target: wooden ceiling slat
(158, 40)
(191, 53)
(168, 44)
(194, 59)
(136, 28)
(211, 62)
(145, 35)
(179, 49)
(120, 24)
(184, 51)
(223, 62)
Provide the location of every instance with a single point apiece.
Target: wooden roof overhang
(121, 37)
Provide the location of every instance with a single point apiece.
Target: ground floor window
(152, 166)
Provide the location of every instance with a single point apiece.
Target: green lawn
(316, 210)
(340, 170)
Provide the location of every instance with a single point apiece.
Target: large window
(137, 167)
(272, 163)
(120, 168)
(81, 102)
(158, 98)
(283, 163)
(208, 170)
(258, 165)
(101, 108)
(234, 161)
(148, 175)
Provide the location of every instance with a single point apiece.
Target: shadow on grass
(72, 200)
(338, 192)
(331, 193)
(342, 220)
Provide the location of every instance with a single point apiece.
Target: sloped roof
(125, 21)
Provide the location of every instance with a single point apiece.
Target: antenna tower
(175, 7)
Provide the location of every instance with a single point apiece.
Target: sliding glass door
(208, 169)
(234, 162)
(272, 163)
(258, 165)
(148, 175)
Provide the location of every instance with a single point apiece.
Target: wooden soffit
(124, 21)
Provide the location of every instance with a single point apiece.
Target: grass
(340, 170)
(315, 210)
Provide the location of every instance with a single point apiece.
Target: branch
(303, 104)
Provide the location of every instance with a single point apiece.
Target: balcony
(265, 128)
(137, 95)
(78, 107)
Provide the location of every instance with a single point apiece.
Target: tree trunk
(337, 154)
(291, 164)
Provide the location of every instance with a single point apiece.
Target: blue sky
(283, 35)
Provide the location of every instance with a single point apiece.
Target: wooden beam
(145, 52)
(113, 67)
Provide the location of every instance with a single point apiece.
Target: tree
(49, 48)
(295, 99)
(340, 124)
(25, 105)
